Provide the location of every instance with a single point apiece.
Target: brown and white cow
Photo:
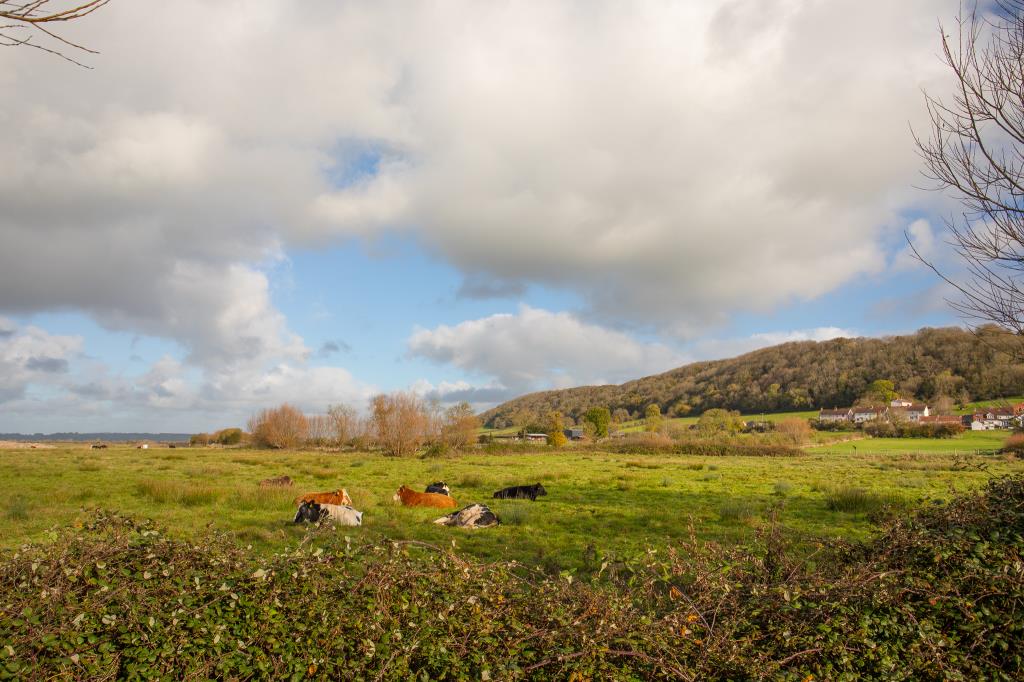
(411, 498)
(339, 496)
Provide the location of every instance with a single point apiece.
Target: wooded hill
(803, 375)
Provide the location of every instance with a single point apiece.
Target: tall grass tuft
(737, 510)
(783, 488)
(185, 493)
(859, 500)
(470, 481)
(16, 509)
(515, 515)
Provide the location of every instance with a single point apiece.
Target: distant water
(111, 436)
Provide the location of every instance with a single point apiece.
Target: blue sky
(470, 201)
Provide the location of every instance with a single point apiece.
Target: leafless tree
(281, 427)
(975, 148)
(460, 426)
(22, 24)
(400, 422)
(344, 423)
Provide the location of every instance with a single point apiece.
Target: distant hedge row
(938, 596)
(704, 447)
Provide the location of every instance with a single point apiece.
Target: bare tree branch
(24, 21)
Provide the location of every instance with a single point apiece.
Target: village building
(836, 415)
(866, 414)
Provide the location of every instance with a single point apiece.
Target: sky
(240, 204)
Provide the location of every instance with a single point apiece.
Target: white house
(911, 411)
(866, 414)
(901, 402)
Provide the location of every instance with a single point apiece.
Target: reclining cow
(339, 496)
(410, 498)
(339, 515)
(521, 492)
(473, 516)
(439, 487)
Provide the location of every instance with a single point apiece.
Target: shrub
(947, 575)
(200, 439)
(650, 444)
(228, 436)
(1014, 444)
(819, 425)
(887, 429)
(794, 430)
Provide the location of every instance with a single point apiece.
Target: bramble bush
(937, 595)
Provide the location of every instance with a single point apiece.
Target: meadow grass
(596, 499)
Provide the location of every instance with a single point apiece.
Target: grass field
(619, 504)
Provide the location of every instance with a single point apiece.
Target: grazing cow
(339, 496)
(521, 492)
(340, 515)
(411, 498)
(439, 487)
(473, 516)
(279, 482)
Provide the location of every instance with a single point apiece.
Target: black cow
(439, 487)
(521, 492)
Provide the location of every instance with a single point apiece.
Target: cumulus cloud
(536, 348)
(29, 355)
(670, 162)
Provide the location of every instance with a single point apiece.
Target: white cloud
(714, 349)
(670, 162)
(29, 355)
(536, 348)
(924, 243)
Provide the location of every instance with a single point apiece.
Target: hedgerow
(938, 595)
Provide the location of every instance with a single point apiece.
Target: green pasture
(967, 443)
(598, 503)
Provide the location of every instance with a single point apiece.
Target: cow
(98, 446)
(521, 492)
(410, 498)
(337, 514)
(473, 516)
(279, 482)
(339, 496)
(439, 487)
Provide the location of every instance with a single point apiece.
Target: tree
(652, 417)
(599, 418)
(460, 426)
(719, 422)
(344, 423)
(18, 20)
(943, 405)
(232, 436)
(280, 427)
(975, 149)
(399, 422)
(879, 391)
(556, 429)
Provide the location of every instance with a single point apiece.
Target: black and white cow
(313, 512)
(521, 492)
(439, 487)
(473, 516)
